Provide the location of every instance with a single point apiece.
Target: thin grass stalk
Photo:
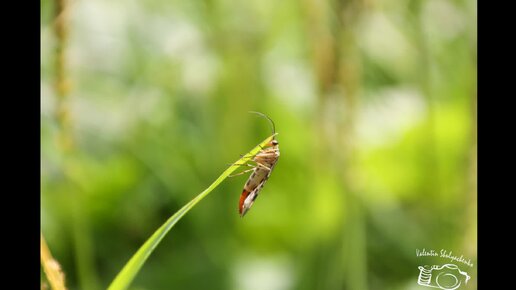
(135, 263)
(51, 267)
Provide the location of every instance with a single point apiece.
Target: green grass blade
(127, 274)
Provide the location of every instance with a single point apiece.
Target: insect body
(265, 161)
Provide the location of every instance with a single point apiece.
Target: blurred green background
(144, 104)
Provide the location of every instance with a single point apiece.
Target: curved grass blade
(133, 266)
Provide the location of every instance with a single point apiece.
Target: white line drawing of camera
(447, 277)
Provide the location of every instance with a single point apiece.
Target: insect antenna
(267, 117)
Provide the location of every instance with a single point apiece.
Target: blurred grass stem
(51, 267)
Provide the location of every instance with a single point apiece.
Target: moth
(265, 160)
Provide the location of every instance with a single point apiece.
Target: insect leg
(244, 164)
(260, 164)
(266, 154)
(240, 173)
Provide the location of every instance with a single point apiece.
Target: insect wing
(247, 198)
